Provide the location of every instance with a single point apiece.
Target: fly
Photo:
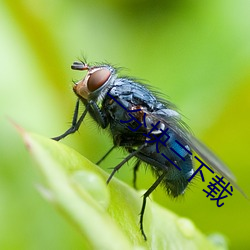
(129, 110)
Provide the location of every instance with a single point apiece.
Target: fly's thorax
(95, 84)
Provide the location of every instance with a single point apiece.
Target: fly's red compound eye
(97, 79)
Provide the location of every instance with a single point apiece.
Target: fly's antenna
(80, 66)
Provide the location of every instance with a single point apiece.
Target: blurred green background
(195, 52)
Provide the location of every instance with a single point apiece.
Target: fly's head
(93, 84)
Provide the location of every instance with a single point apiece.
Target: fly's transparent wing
(212, 160)
(180, 129)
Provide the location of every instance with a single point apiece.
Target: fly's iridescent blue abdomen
(176, 179)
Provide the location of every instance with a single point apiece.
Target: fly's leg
(105, 155)
(75, 124)
(124, 161)
(145, 196)
(136, 167)
(91, 107)
(97, 114)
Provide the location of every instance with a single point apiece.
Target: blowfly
(148, 127)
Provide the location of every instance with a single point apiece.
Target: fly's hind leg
(135, 169)
(145, 196)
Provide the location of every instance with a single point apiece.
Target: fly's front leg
(75, 123)
(97, 114)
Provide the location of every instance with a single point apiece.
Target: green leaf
(106, 215)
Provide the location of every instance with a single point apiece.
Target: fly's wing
(171, 120)
(212, 160)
